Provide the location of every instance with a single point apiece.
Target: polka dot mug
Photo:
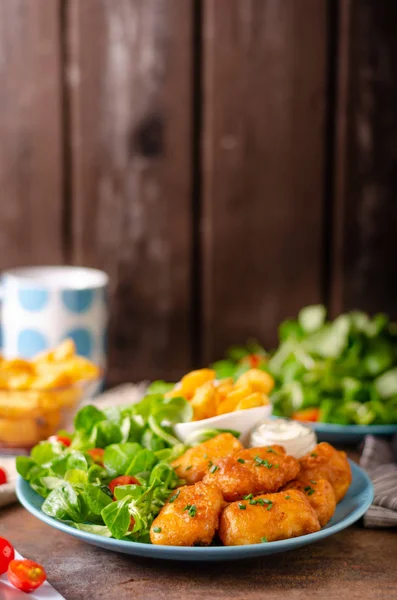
(41, 306)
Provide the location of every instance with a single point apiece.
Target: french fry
(204, 401)
(254, 400)
(34, 393)
(256, 380)
(193, 380)
(225, 386)
(19, 432)
(18, 404)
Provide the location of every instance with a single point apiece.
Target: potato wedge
(256, 380)
(252, 401)
(204, 401)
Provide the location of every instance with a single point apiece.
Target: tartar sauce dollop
(295, 437)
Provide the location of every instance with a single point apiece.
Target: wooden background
(225, 161)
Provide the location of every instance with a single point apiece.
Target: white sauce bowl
(296, 438)
(240, 420)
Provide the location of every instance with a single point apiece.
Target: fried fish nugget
(252, 471)
(319, 493)
(267, 518)
(190, 517)
(193, 465)
(325, 462)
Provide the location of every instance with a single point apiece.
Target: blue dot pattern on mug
(83, 339)
(77, 301)
(32, 299)
(30, 342)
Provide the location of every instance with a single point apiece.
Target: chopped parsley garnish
(214, 468)
(189, 467)
(271, 450)
(309, 490)
(276, 466)
(241, 460)
(263, 501)
(242, 506)
(157, 529)
(264, 540)
(313, 482)
(253, 502)
(174, 497)
(248, 497)
(210, 463)
(314, 454)
(262, 462)
(287, 497)
(191, 509)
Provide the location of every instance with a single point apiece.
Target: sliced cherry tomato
(308, 414)
(7, 554)
(3, 476)
(26, 575)
(122, 480)
(64, 440)
(97, 455)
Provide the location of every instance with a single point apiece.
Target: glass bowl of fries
(39, 396)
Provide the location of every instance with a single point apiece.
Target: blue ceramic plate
(348, 434)
(352, 507)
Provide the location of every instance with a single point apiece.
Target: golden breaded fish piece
(325, 462)
(252, 471)
(190, 517)
(194, 463)
(319, 493)
(267, 518)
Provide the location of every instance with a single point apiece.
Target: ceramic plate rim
(208, 552)
(354, 429)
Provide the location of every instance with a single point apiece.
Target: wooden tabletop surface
(354, 564)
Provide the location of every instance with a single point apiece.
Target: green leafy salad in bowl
(342, 371)
(113, 474)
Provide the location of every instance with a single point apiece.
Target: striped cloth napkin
(379, 459)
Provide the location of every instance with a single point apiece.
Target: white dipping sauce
(296, 438)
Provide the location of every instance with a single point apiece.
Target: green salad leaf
(345, 368)
(118, 457)
(137, 441)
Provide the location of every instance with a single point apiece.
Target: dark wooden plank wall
(264, 103)
(192, 149)
(31, 161)
(129, 69)
(365, 217)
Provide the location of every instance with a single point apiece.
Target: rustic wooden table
(354, 564)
